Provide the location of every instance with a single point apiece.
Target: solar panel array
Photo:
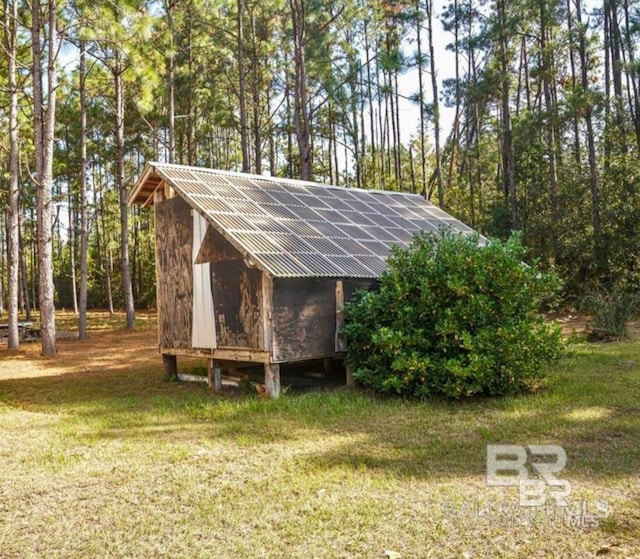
(300, 229)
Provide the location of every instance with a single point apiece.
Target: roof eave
(140, 193)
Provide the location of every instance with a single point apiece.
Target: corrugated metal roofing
(301, 229)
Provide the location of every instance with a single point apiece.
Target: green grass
(123, 464)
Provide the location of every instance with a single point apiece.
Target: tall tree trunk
(242, 96)
(374, 162)
(171, 84)
(455, 132)
(191, 141)
(508, 155)
(72, 251)
(423, 148)
(355, 127)
(24, 284)
(44, 120)
(436, 104)
(84, 202)
(398, 152)
(301, 104)
(255, 95)
(574, 84)
(122, 194)
(13, 244)
(591, 144)
(548, 75)
(632, 73)
(333, 171)
(289, 117)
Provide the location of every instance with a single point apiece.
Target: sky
(408, 82)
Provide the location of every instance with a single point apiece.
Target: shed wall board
(237, 295)
(304, 318)
(216, 248)
(174, 289)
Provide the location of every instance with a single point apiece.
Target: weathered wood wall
(237, 298)
(304, 316)
(237, 293)
(304, 312)
(174, 239)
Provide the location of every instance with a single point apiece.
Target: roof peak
(271, 178)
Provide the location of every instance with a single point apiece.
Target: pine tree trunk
(632, 74)
(548, 75)
(372, 141)
(72, 252)
(44, 138)
(24, 287)
(255, 95)
(574, 84)
(436, 104)
(591, 144)
(300, 101)
(242, 96)
(84, 202)
(13, 238)
(191, 141)
(171, 85)
(423, 148)
(508, 155)
(122, 194)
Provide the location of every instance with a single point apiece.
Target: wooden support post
(339, 339)
(350, 380)
(327, 364)
(170, 364)
(272, 379)
(214, 375)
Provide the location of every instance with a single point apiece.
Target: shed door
(203, 331)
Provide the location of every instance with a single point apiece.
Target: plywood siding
(237, 298)
(304, 316)
(174, 238)
(304, 319)
(215, 248)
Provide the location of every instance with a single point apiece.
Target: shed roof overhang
(146, 186)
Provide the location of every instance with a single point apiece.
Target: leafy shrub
(611, 311)
(453, 318)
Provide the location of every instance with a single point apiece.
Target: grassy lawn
(101, 457)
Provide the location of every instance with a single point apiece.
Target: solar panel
(300, 229)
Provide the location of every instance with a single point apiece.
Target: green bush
(610, 312)
(453, 318)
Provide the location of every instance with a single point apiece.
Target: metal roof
(300, 229)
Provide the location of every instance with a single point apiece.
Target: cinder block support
(170, 364)
(214, 375)
(272, 379)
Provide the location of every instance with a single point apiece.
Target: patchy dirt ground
(109, 347)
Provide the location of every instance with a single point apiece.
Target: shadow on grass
(590, 407)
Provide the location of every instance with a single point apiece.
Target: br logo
(507, 467)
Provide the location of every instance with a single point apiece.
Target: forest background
(530, 122)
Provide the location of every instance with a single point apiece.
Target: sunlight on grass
(589, 414)
(100, 456)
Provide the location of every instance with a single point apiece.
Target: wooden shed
(256, 269)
